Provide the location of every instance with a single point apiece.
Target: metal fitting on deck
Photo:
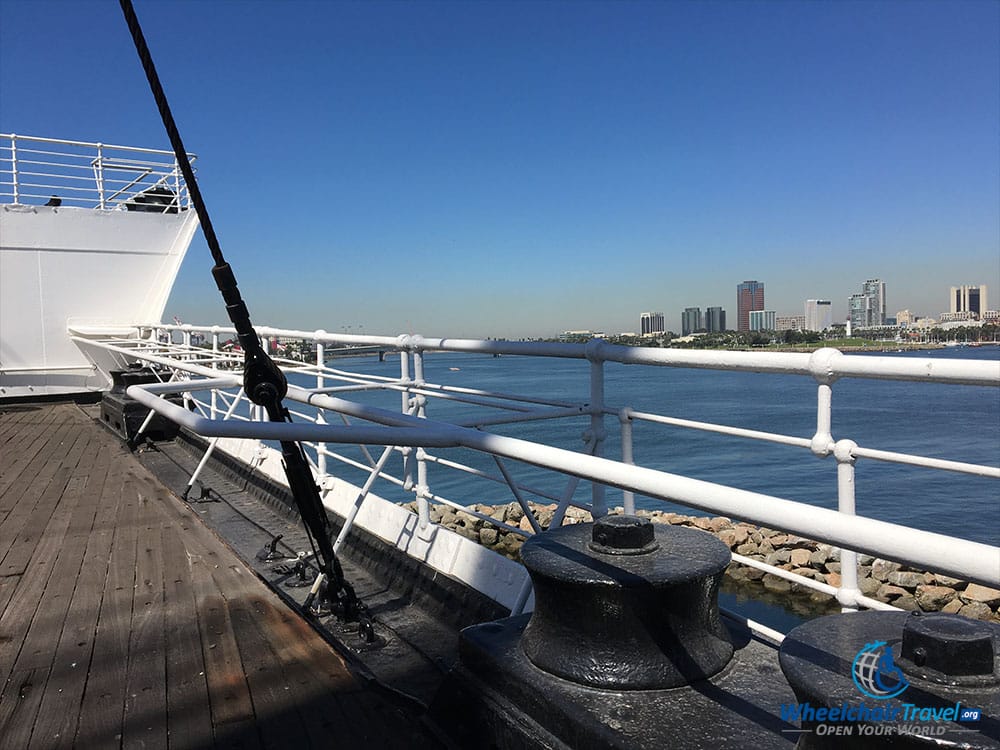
(625, 604)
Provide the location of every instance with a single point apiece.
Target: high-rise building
(749, 296)
(819, 314)
(651, 323)
(971, 299)
(715, 319)
(691, 320)
(867, 308)
(762, 320)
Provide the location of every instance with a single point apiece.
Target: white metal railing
(48, 171)
(202, 374)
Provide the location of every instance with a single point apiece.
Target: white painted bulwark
(63, 267)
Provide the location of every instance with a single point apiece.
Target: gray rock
(778, 557)
(868, 586)
(488, 536)
(955, 583)
(800, 557)
(976, 611)
(887, 592)
(952, 607)
(905, 578)
(977, 593)
(882, 568)
(933, 598)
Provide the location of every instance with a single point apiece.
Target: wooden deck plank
(60, 708)
(54, 570)
(102, 708)
(136, 626)
(30, 482)
(146, 678)
(27, 523)
(189, 715)
(32, 669)
(21, 442)
(27, 596)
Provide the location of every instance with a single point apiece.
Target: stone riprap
(879, 579)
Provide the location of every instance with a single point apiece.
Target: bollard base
(496, 698)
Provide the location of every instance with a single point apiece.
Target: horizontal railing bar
(769, 437)
(927, 462)
(36, 139)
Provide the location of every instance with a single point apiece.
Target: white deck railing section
(326, 418)
(35, 171)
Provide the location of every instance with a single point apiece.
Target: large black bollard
(626, 604)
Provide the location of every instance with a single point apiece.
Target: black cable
(263, 381)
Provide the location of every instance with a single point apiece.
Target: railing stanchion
(423, 488)
(598, 491)
(99, 175)
(13, 169)
(215, 366)
(320, 382)
(625, 418)
(848, 591)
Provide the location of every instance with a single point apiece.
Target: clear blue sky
(507, 169)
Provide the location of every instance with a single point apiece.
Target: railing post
(848, 591)
(598, 503)
(625, 419)
(13, 167)
(822, 441)
(320, 382)
(99, 176)
(423, 489)
(215, 366)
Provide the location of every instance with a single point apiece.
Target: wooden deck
(125, 622)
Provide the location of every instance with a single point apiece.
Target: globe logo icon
(875, 674)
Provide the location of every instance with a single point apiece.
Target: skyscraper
(749, 296)
(715, 319)
(972, 299)
(691, 320)
(651, 323)
(867, 308)
(819, 314)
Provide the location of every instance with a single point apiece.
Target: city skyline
(819, 315)
(519, 169)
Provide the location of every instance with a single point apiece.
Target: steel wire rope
(264, 383)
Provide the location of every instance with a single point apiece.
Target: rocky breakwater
(879, 579)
